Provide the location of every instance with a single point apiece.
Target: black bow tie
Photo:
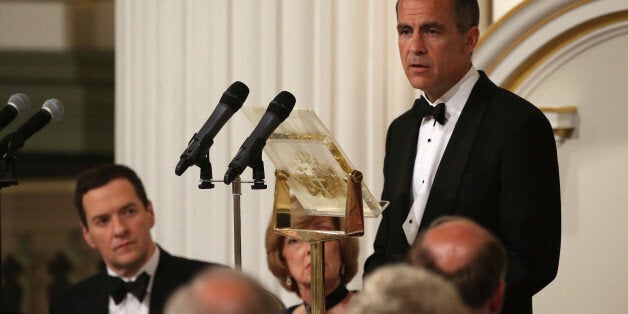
(118, 288)
(424, 110)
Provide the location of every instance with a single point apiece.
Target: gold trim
(354, 222)
(317, 263)
(533, 62)
(281, 201)
(496, 61)
(563, 132)
(354, 212)
(298, 137)
(502, 20)
(568, 109)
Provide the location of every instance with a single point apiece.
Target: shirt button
(429, 140)
(410, 221)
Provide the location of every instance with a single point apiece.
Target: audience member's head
(116, 216)
(469, 256)
(406, 289)
(289, 259)
(223, 291)
(101, 175)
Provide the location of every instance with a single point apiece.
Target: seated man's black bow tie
(424, 109)
(118, 288)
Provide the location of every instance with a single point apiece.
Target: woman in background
(289, 260)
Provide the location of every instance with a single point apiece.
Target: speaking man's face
(434, 53)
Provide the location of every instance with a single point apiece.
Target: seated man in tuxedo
(116, 218)
(469, 256)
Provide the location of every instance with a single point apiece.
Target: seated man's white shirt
(130, 304)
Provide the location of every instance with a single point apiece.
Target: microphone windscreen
(282, 105)
(20, 102)
(235, 95)
(55, 108)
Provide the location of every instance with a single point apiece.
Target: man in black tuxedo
(485, 153)
(116, 218)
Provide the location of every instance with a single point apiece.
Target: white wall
(586, 68)
(592, 276)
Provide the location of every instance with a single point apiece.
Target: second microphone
(278, 110)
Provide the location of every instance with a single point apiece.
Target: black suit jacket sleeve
(530, 209)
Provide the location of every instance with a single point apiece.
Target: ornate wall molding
(539, 35)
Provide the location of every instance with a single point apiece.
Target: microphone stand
(206, 173)
(8, 177)
(236, 191)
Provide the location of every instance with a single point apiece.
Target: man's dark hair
(466, 14)
(101, 175)
(478, 280)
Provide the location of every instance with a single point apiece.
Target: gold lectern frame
(311, 166)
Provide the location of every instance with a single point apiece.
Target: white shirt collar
(132, 305)
(150, 267)
(457, 96)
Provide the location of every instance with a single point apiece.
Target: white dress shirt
(433, 139)
(130, 304)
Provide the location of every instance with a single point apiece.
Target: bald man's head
(468, 255)
(223, 290)
(453, 244)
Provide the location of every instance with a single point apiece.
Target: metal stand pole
(1, 281)
(236, 190)
(317, 260)
(8, 177)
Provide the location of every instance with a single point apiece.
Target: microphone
(17, 104)
(12, 142)
(278, 110)
(198, 146)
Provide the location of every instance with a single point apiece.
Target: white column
(175, 58)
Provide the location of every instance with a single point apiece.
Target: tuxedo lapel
(454, 161)
(162, 283)
(404, 151)
(96, 298)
